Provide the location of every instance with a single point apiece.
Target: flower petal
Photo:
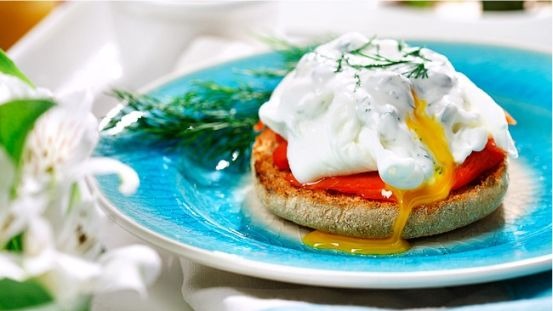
(105, 166)
(15, 217)
(132, 267)
(63, 137)
(70, 277)
(10, 267)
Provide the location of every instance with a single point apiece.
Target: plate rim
(323, 277)
(310, 276)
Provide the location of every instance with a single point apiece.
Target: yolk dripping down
(437, 188)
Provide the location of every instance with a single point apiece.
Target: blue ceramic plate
(210, 216)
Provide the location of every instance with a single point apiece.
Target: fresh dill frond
(357, 81)
(340, 63)
(409, 56)
(416, 52)
(291, 52)
(364, 46)
(401, 45)
(377, 65)
(419, 71)
(271, 73)
(211, 121)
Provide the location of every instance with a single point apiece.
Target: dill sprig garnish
(210, 121)
(291, 53)
(410, 57)
(213, 121)
(364, 46)
(418, 71)
(340, 62)
(271, 73)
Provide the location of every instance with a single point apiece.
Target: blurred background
(133, 43)
(18, 17)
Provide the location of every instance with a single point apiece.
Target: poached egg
(346, 109)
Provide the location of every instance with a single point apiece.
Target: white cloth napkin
(206, 289)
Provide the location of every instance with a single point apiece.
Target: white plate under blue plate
(210, 216)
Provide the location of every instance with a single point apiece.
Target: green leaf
(8, 67)
(17, 295)
(17, 119)
(15, 244)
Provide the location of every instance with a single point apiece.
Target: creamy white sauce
(340, 119)
(12, 88)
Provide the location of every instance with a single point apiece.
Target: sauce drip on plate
(437, 188)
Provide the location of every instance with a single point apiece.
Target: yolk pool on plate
(437, 188)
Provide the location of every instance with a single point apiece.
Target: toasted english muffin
(354, 216)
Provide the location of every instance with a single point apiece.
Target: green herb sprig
(206, 119)
(211, 121)
(290, 53)
(411, 57)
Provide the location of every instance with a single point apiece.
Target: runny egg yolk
(436, 188)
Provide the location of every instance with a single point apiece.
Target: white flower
(62, 141)
(69, 276)
(57, 157)
(59, 217)
(10, 266)
(16, 215)
(13, 88)
(128, 267)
